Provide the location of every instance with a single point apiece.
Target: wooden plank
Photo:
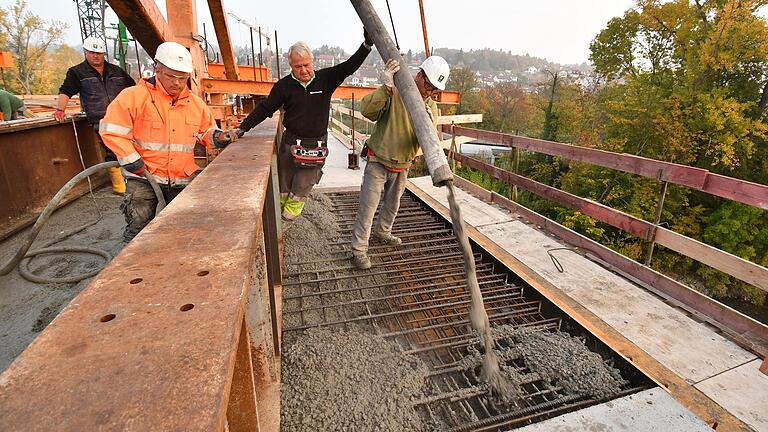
(743, 391)
(737, 267)
(623, 221)
(472, 188)
(151, 342)
(459, 119)
(684, 392)
(742, 191)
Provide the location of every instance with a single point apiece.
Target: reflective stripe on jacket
(143, 124)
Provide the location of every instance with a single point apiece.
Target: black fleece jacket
(306, 109)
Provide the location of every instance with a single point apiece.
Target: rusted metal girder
(38, 159)
(211, 85)
(219, 18)
(145, 22)
(687, 394)
(156, 341)
(247, 72)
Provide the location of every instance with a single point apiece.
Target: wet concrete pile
(306, 249)
(557, 358)
(349, 380)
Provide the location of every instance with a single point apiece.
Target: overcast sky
(558, 30)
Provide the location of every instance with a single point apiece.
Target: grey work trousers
(139, 203)
(375, 180)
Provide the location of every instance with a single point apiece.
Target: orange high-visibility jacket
(144, 127)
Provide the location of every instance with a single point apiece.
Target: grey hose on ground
(43, 218)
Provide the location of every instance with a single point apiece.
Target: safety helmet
(174, 56)
(436, 69)
(93, 44)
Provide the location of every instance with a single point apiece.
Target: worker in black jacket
(305, 95)
(98, 83)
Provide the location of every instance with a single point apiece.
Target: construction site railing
(181, 331)
(697, 178)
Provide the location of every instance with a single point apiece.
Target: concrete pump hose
(43, 218)
(422, 125)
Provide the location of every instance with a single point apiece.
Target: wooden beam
(737, 267)
(145, 22)
(219, 18)
(458, 119)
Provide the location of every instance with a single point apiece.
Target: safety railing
(181, 331)
(755, 334)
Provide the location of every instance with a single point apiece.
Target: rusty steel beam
(219, 18)
(36, 160)
(152, 342)
(684, 392)
(145, 22)
(211, 85)
(218, 70)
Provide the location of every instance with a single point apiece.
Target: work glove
(389, 73)
(225, 138)
(367, 38)
(59, 115)
(138, 171)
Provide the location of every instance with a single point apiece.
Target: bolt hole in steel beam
(107, 318)
(186, 307)
(136, 280)
(203, 273)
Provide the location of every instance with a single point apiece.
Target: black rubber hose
(46, 213)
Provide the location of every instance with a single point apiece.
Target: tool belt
(306, 152)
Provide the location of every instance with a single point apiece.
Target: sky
(558, 30)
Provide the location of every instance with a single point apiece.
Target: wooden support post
(659, 209)
(515, 169)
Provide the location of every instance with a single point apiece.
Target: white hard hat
(93, 44)
(174, 56)
(436, 69)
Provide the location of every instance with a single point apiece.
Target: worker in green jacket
(390, 152)
(12, 107)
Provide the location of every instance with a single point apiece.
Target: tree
(29, 38)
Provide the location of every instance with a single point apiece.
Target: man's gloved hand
(139, 171)
(389, 73)
(225, 138)
(367, 38)
(59, 114)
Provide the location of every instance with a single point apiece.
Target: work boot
(387, 238)
(118, 182)
(360, 260)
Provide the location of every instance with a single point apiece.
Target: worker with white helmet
(154, 127)
(98, 83)
(390, 152)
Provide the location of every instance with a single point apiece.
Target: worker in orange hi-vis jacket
(154, 127)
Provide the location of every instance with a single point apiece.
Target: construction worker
(305, 95)
(390, 152)
(11, 106)
(154, 127)
(98, 83)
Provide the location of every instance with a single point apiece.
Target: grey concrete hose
(24, 252)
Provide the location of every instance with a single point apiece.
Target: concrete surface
(335, 172)
(743, 391)
(652, 410)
